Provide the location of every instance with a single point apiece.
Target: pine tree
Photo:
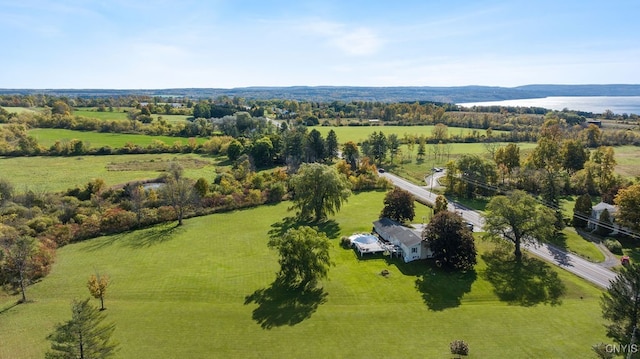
(84, 336)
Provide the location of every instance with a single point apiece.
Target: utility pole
(633, 340)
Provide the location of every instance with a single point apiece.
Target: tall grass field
(52, 174)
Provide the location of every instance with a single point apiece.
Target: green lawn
(181, 293)
(48, 136)
(360, 133)
(60, 173)
(121, 115)
(573, 242)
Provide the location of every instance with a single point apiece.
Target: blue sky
(127, 44)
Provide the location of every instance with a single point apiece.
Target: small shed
(409, 240)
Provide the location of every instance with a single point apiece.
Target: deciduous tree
(97, 285)
(19, 263)
(179, 193)
(450, 241)
(509, 156)
(518, 217)
(399, 205)
(85, 336)
(319, 190)
(304, 256)
(350, 153)
(574, 155)
(441, 204)
(628, 201)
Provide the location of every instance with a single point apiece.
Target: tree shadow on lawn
(281, 304)
(329, 227)
(527, 282)
(142, 238)
(151, 236)
(440, 289)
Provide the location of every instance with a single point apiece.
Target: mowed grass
(48, 136)
(182, 292)
(121, 115)
(358, 134)
(53, 174)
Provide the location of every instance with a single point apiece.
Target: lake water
(595, 104)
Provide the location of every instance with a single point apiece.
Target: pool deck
(376, 247)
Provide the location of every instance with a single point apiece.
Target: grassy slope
(61, 173)
(48, 136)
(181, 293)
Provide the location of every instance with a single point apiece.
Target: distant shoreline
(596, 104)
(455, 94)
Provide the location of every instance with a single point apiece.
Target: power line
(555, 207)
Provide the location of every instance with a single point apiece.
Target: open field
(416, 171)
(182, 293)
(21, 109)
(121, 115)
(60, 173)
(627, 159)
(48, 136)
(359, 133)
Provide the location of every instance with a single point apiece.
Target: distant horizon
(225, 44)
(310, 86)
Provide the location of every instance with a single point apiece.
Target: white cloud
(354, 41)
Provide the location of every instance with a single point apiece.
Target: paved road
(592, 272)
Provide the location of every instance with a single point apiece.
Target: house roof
(602, 206)
(390, 228)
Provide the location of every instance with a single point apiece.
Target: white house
(409, 240)
(597, 210)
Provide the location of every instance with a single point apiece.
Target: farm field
(121, 115)
(182, 292)
(21, 109)
(627, 159)
(359, 133)
(48, 136)
(53, 174)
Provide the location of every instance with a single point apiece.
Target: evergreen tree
(581, 210)
(331, 145)
(84, 336)
(621, 304)
(604, 223)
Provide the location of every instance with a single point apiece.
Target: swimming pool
(363, 238)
